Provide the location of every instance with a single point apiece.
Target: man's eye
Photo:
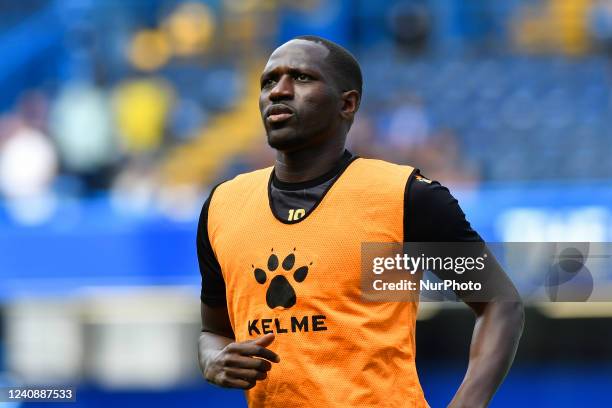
(302, 77)
(266, 83)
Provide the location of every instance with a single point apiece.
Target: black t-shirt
(292, 201)
(431, 214)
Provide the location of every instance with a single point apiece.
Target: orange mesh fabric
(302, 281)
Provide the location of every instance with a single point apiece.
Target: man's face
(299, 102)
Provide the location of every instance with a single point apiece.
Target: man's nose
(283, 89)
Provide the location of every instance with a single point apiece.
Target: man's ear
(350, 104)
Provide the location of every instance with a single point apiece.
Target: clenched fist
(241, 365)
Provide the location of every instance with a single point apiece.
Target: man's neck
(307, 164)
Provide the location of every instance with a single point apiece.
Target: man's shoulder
(426, 190)
(384, 170)
(245, 180)
(377, 179)
(253, 175)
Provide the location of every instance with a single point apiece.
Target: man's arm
(216, 334)
(497, 331)
(433, 215)
(223, 361)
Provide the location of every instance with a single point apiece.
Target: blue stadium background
(116, 118)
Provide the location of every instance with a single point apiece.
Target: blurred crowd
(124, 85)
(468, 91)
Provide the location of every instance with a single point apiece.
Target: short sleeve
(432, 214)
(213, 285)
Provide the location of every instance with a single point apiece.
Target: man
(279, 252)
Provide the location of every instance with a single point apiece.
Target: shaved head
(345, 67)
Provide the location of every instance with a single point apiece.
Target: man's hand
(241, 365)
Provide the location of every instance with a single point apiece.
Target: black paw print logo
(280, 292)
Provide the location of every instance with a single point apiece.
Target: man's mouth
(278, 113)
(279, 117)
